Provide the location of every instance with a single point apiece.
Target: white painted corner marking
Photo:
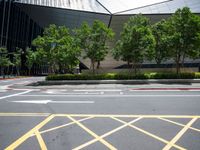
(17, 94)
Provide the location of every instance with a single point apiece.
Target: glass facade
(17, 28)
(116, 6)
(23, 20)
(166, 7)
(83, 5)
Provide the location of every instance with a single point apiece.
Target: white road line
(121, 93)
(89, 95)
(50, 101)
(1, 91)
(163, 90)
(100, 90)
(17, 94)
(85, 93)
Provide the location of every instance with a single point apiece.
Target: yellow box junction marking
(93, 134)
(40, 140)
(179, 135)
(179, 124)
(35, 131)
(150, 134)
(28, 134)
(107, 134)
(62, 126)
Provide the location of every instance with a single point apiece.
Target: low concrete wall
(143, 70)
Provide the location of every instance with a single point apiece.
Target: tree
(57, 48)
(68, 51)
(136, 42)
(17, 60)
(93, 41)
(183, 36)
(31, 58)
(159, 31)
(4, 60)
(46, 46)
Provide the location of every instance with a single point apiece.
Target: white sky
(121, 5)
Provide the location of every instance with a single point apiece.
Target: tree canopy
(183, 36)
(4, 60)
(136, 42)
(93, 41)
(57, 48)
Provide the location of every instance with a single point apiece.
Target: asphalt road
(98, 117)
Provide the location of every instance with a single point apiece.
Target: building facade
(23, 20)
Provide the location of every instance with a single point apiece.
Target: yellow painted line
(179, 124)
(40, 140)
(179, 135)
(62, 126)
(93, 134)
(29, 133)
(99, 115)
(150, 134)
(126, 116)
(23, 114)
(106, 134)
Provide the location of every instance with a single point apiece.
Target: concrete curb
(77, 82)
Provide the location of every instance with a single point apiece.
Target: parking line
(93, 134)
(107, 134)
(179, 124)
(150, 134)
(179, 135)
(40, 140)
(28, 134)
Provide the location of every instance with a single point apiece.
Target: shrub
(114, 76)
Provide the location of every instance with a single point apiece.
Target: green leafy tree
(17, 60)
(46, 46)
(183, 36)
(93, 40)
(57, 48)
(161, 50)
(68, 51)
(31, 58)
(136, 42)
(4, 60)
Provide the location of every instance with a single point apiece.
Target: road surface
(98, 117)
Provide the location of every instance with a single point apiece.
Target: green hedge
(113, 76)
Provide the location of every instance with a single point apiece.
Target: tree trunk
(178, 65)
(2, 72)
(93, 66)
(17, 71)
(29, 71)
(183, 60)
(98, 64)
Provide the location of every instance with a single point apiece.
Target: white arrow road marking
(50, 101)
